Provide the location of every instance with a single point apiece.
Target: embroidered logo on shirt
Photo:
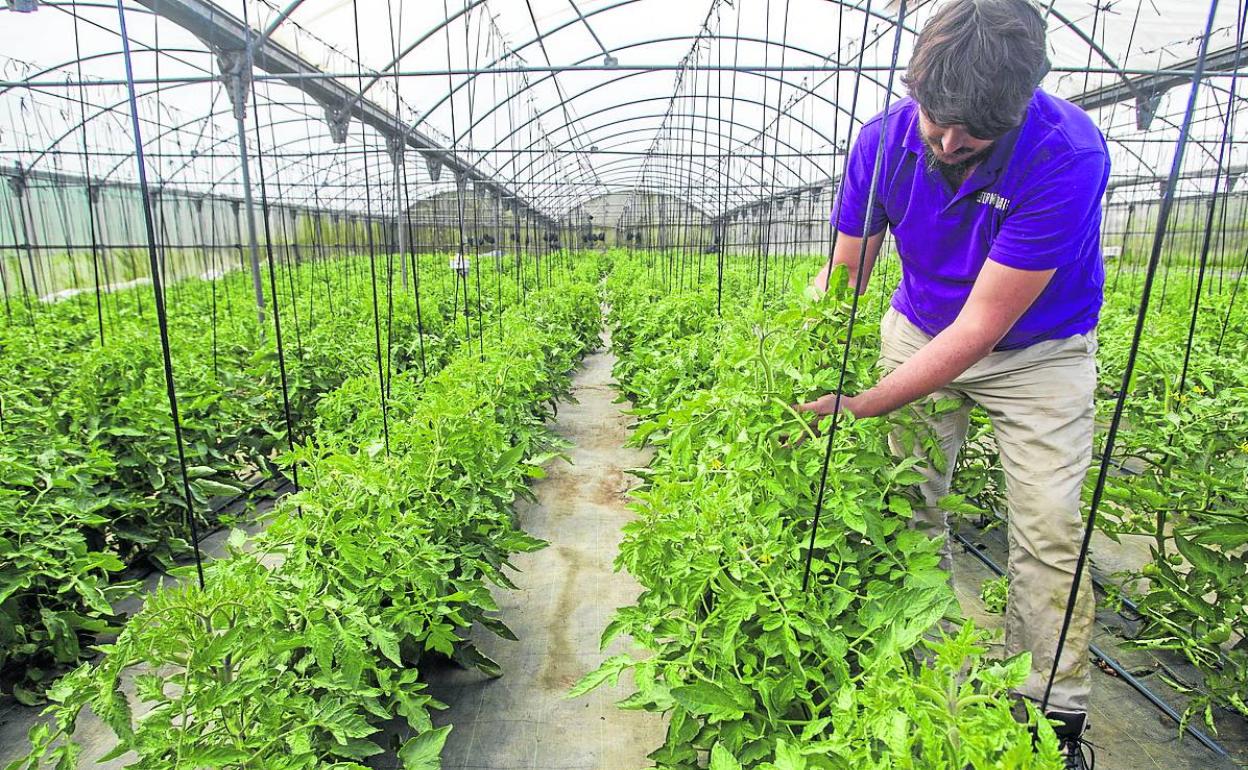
(993, 199)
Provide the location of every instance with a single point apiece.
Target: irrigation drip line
(1110, 661)
(275, 484)
(859, 277)
(1098, 491)
(158, 294)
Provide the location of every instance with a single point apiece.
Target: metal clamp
(339, 120)
(235, 69)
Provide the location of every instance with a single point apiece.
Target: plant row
(303, 646)
(755, 669)
(90, 476)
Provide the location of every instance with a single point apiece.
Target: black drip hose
(1117, 667)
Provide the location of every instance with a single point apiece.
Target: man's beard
(957, 171)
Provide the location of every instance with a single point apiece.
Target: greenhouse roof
(549, 104)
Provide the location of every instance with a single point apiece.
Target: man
(992, 190)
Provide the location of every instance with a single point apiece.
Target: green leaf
(1227, 534)
(710, 700)
(213, 488)
(608, 671)
(1200, 557)
(424, 752)
(211, 756)
(722, 759)
(788, 757)
(441, 638)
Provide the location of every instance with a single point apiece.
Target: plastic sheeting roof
(720, 103)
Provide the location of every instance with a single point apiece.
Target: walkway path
(567, 594)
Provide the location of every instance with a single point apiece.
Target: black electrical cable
(1107, 452)
(859, 277)
(162, 321)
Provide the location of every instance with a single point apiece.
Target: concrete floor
(567, 593)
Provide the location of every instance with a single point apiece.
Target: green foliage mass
(303, 645)
(754, 671)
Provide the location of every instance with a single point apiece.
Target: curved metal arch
(675, 38)
(629, 164)
(681, 38)
(750, 161)
(635, 189)
(101, 111)
(1087, 39)
(626, 184)
(106, 110)
(71, 62)
(636, 131)
(232, 137)
(624, 173)
(383, 73)
(766, 109)
(515, 50)
(706, 175)
(277, 172)
(294, 107)
(522, 126)
(1056, 14)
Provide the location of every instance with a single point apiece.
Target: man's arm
(1000, 296)
(848, 252)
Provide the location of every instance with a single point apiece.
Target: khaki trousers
(1040, 402)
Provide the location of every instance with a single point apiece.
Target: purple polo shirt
(1034, 203)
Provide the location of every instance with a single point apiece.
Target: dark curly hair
(977, 63)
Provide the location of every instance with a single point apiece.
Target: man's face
(951, 145)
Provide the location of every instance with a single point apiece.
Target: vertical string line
(162, 321)
(372, 253)
(259, 153)
(1163, 216)
(858, 279)
(89, 187)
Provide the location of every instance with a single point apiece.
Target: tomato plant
(753, 669)
(89, 475)
(300, 648)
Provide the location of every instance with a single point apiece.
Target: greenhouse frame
(423, 384)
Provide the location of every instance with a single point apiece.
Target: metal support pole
(18, 184)
(397, 146)
(236, 74)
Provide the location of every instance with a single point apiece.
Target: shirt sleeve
(1055, 217)
(849, 208)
